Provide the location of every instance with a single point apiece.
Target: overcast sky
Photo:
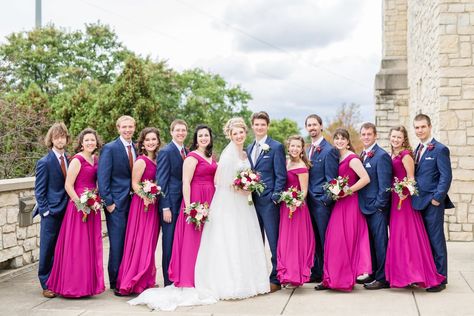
(295, 57)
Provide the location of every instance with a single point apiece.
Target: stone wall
(440, 83)
(18, 245)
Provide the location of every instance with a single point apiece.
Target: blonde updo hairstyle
(235, 122)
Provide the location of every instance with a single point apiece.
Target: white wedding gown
(231, 262)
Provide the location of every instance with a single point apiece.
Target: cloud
(291, 25)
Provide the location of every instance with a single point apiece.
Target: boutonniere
(318, 149)
(370, 154)
(430, 147)
(265, 148)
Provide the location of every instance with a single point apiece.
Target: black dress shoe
(117, 293)
(376, 285)
(435, 289)
(315, 279)
(321, 287)
(368, 279)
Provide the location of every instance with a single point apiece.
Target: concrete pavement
(20, 294)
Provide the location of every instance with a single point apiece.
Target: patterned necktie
(418, 153)
(256, 152)
(362, 155)
(183, 153)
(63, 166)
(311, 151)
(130, 156)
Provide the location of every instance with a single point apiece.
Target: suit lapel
(55, 163)
(433, 141)
(249, 154)
(123, 151)
(262, 153)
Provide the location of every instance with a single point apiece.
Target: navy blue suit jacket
(325, 168)
(272, 167)
(169, 175)
(374, 196)
(114, 175)
(433, 176)
(49, 186)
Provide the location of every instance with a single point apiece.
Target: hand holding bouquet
(89, 201)
(149, 191)
(249, 181)
(196, 214)
(338, 187)
(293, 199)
(404, 188)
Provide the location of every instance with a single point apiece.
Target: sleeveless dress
(231, 262)
(186, 238)
(296, 243)
(137, 270)
(409, 258)
(78, 259)
(347, 248)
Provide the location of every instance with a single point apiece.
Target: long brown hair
(80, 139)
(57, 130)
(303, 155)
(147, 130)
(406, 141)
(344, 133)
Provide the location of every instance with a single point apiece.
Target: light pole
(38, 14)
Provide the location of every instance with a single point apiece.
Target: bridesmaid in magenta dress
(296, 243)
(198, 186)
(347, 248)
(409, 258)
(137, 270)
(78, 259)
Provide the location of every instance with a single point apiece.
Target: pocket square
(429, 158)
(45, 213)
(367, 165)
(264, 157)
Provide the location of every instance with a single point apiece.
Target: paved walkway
(20, 294)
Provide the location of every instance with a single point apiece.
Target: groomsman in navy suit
(169, 174)
(114, 178)
(433, 176)
(374, 203)
(51, 198)
(325, 167)
(267, 157)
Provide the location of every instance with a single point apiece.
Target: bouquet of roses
(404, 188)
(150, 190)
(249, 181)
(293, 198)
(338, 187)
(196, 214)
(89, 201)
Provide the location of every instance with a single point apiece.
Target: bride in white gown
(231, 261)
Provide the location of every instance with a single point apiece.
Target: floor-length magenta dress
(347, 248)
(137, 270)
(186, 238)
(78, 259)
(409, 258)
(295, 251)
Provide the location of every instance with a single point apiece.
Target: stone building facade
(428, 66)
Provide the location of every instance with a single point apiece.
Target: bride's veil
(228, 165)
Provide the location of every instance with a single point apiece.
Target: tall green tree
(280, 130)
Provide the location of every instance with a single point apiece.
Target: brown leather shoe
(48, 294)
(274, 287)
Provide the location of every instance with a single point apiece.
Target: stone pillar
(391, 88)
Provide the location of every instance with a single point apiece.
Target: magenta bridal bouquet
(250, 181)
(197, 214)
(89, 201)
(404, 188)
(150, 190)
(338, 187)
(293, 198)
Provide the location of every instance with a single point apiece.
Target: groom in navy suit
(114, 178)
(267, 157)
(374, 203)
(51, 198)
(169, 174)
(433, 176)
(325, 166)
